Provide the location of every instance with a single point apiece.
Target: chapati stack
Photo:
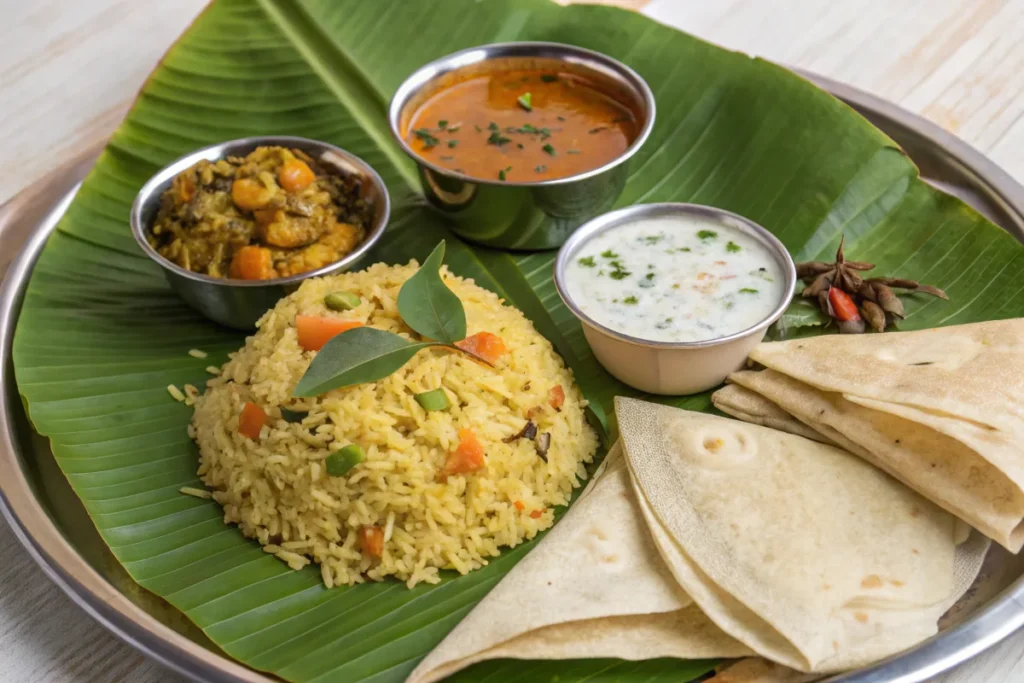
(942, 410)
(709, 537)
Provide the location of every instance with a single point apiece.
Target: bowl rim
(149, 193)
(454, 61)
(613, 219)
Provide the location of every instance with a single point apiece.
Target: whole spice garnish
(846, 296)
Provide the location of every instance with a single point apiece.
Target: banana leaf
(100, 335)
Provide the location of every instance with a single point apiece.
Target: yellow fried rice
(277, 490)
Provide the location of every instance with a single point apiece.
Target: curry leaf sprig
(366, 354)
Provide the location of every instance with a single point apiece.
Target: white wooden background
(70, 68)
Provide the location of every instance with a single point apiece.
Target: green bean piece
(435, 399)
(341, 301)
(340, 462)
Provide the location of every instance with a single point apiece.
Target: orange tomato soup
(521, 125)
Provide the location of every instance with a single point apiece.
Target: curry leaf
(364, 354)
(428, 306)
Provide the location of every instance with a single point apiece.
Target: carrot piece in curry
(295, 175)
(489, 347)
(315, 332)
(251, 421)
(467, 457)
(249, 194)
(252, 263)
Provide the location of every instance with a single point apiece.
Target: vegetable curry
(274, 213)
(521, 125)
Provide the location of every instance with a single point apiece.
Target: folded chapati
(942, 410)
(749, 406)
(801, 551)
(595, 586)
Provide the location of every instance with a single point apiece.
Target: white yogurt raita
(675, 279)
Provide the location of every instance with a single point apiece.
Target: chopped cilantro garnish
(478, 128)
(548, 78)
(560, 118)
(498, 139)
(526, 128)
(707, 234)
(609, 254)
(453, 143)
(524, 101)
(631, 300)
(620, 273)
(732, 246)
(502, 172)
(428, 139)
(748, 290)
(454, 127)
(649, 276)
(540, 169)
(544, 133)
(549, 149)
(492, 126)
(442, 124)
(587, 262)
(652, 239)
(520, 145)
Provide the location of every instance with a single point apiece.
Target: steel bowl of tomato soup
(518, 144)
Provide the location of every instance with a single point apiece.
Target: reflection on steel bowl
(238, 301)
(518, 144)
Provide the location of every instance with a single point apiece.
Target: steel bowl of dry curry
(237, 225)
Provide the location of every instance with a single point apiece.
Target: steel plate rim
(995, 620)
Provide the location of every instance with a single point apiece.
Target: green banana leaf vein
(101, 336)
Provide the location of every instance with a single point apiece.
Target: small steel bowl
(521, 215)
(240, 303)
(673, 368)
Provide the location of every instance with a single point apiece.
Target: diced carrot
(484, 345)
(371, 538)
(251, 421)
(536, 514)
(295, 175)
(519, 505)
(315, 331)
(556, 397)
(252, 263)
(467, 457)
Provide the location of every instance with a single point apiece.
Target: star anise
(846, 296)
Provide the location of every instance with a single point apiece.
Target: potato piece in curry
(273, 213)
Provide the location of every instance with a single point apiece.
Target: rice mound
(277, 490)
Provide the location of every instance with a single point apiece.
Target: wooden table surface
(69, 70)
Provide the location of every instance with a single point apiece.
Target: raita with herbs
(522, 125)
(675, 279)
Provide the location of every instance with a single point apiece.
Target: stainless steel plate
(52, 524)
